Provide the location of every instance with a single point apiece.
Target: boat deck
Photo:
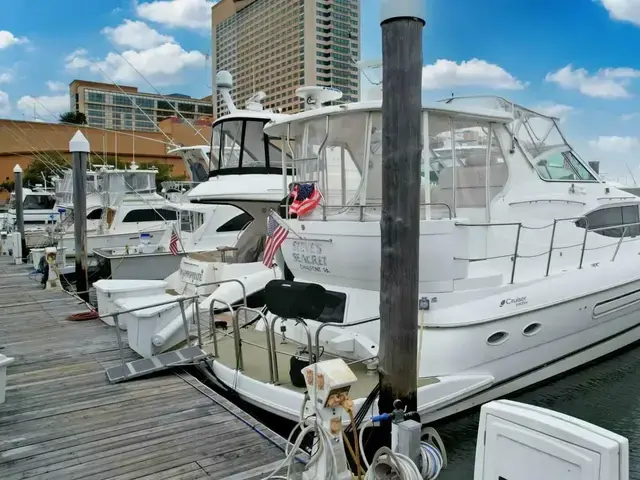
(63, 420)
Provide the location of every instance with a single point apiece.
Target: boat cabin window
(236, 224)
(38, 202)
(240, 146)
(601, 220)
(331, 155)
(342, 154)
(466, 166)
(95, 214)
(562, 166)
(130, 181)
(150, 215)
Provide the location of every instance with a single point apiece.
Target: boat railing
(270, 337)
(515, 255)
(363, 208)
(192, 300)
(273, 353)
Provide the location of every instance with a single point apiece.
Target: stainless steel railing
(552, 247)
(181, 301)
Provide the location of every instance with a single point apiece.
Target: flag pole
(173, 227)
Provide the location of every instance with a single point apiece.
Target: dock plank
(62, 419)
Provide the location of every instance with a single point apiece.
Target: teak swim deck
(63, 420)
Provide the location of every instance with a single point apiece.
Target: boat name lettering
(517, 301)
(302, 246)
(191, 277)
(309, 256)
(311, 263)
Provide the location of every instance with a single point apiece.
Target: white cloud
(193, 14)
(478, 73)
(44, 107)
(623, 10)
(556, 110)
(77, 60)
(605, 83)
(56, 86)
(136, 34)
(615, 144)
(7, 39)
(5, 105)
(161, 65)
(6, 77)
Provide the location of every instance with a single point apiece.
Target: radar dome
(224, 80)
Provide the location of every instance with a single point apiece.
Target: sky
(575, 59)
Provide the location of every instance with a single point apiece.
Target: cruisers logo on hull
(517, 301)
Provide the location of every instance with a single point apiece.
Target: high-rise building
(106, 106)
(277, 46)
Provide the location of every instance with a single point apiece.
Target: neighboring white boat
(124, 205)
(40, 212)
(528, 261)
(201, 228)
(225, 258)
(38, 205)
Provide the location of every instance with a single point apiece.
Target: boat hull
(281, 401)
(468, 369)
(109, 240)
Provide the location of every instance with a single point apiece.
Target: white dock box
(110, 291)
(143, 324)
(4, 363)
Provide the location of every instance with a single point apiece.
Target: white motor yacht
(528, 261)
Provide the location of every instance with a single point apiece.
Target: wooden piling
(402, 23)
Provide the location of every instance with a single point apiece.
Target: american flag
(276, 234)
(173, 243)
(306, 197)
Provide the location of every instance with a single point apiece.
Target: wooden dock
(62, 419)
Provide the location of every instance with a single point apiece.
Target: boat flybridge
(121, 204)
(38, 206)
(245, 174)
(528, 261)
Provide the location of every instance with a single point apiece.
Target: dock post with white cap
(79, 148)
(402, 24)
(19, 198)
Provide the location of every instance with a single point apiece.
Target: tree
(77, 118)
(47, 163)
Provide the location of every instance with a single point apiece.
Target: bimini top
(277, 127)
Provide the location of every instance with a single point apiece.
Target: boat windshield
(130, 182)
(240, 146)
(39, 202)
(539, 137)
(64, 187)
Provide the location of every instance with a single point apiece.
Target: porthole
(531, 329)
(497, 338)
